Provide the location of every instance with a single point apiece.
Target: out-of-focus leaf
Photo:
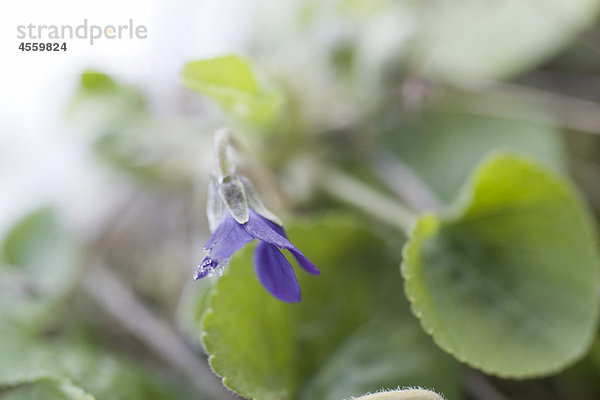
(102, 104)
(39, 265)
(508, 282)
(97, 82)
(33, 234)
(41, 260)
(127, 137)
(351, 333)
(40, 246)
(222, 73)
(230, 81)
(480, 39)
(443, 148)
(143, 152)
(45, 388)
(26, 359)
(192, 307)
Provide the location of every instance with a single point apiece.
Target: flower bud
(403, 394)
(231, 191)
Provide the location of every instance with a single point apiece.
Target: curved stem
(222, 144)
(352, 191)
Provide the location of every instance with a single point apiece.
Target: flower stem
(222, 144)
(350, 190)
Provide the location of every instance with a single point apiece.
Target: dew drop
(211, 267)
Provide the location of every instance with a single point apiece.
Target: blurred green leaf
(479, 39)
(98, 82)
(352, 332)
(141, 152)
(34, 234)
(230, 81)
(443, 148)
(25, 359)
(222, 73)
(41, 247)
(103, 105)
(40, 264)
(192, 307)
(508, 282)
(45, 388)
(127, 136)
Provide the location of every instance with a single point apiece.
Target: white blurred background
(38, 158)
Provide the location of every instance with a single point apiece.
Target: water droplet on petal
(211, 267)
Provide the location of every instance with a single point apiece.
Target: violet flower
(237, 216)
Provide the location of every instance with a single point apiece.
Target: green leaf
(192, 307)
(443, 148)
(39, 263)
(230, 81)
(126, 136)
(27, 241)
(25, 359)
(352, 332)
(483, 40)
(222, 72)
(508, 282)
(45, 388)
(102, 104)
(39, 246)
(94, 81)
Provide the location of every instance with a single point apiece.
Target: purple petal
(228, 238)
(268, 231)
(304, 262)
(275, 273)
(260, 228)
(276, 227)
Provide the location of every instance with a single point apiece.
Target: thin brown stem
(506, 100)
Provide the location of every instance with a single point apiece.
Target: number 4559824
(43, 46)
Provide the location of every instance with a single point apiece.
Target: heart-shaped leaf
(508, 282)
(352, 332)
